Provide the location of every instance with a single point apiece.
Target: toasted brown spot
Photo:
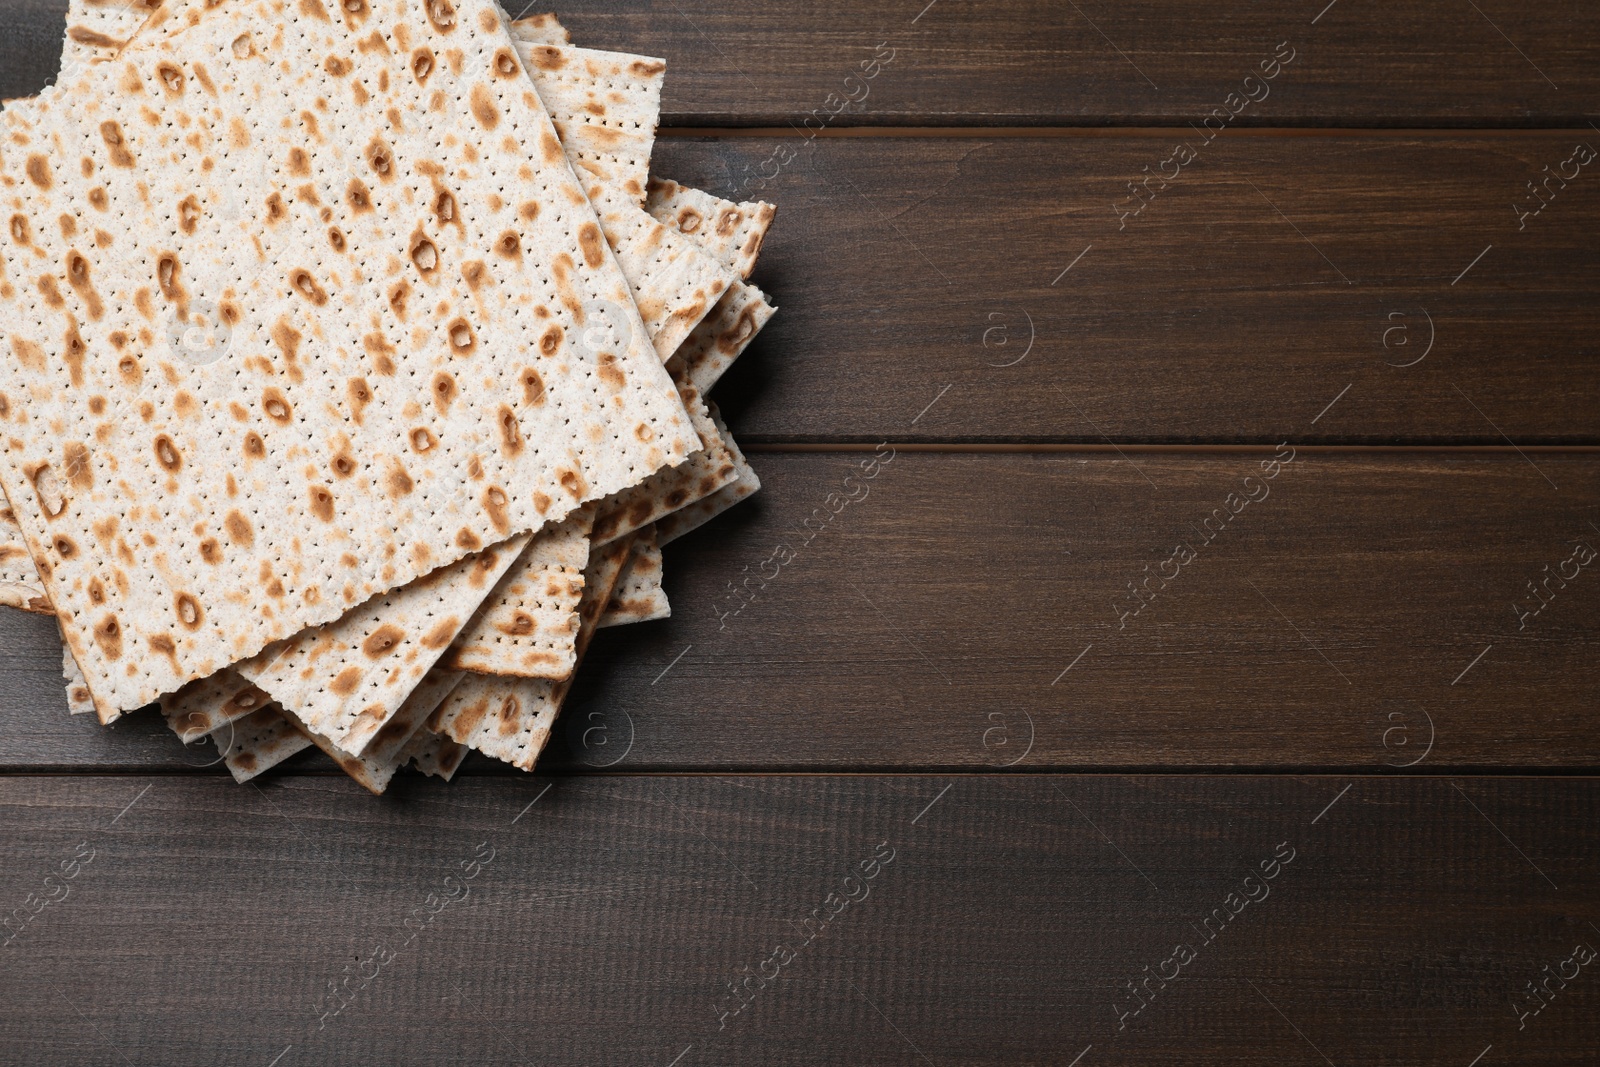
(240, 532)
(210, 550)
(167, 454)
(397, 295)
(546, 57)
(276, 211)
(346, 681)
(360, 396)
(607, 367)
(505, 64)
(188, 214)
(169, 276)
(689, 220)
(19, 230)
(510, 715)
(65, 546)
(483, 109)
(551, 148)
(299, 163)
(254, 446)
(343, 464)
(322, 503)
(509, 245)
(592, 243)
(422, 439)
(473, 273)
(52, 292)
(444, 207)
(38, 169)
(528, 209)
(382, 640)
(424, 255)
(97, 197)
(111, 134)
(462, 339)
(303, 283)
(108, 635)
(510, 432)
(422, 65)
(443, 632)
(171, 77)
(189, 610)
(357, 196)
(521, 625)
(442, 13)
(444, 391)
(276, 407)
(354, 12)
(532, 387)
(573, 483)
(496, 503)
(78, 278)
(380, 159)
(468, 540)
(97, 592)
(28, 354)
(69, 225)
(397, 481)
(336, 66)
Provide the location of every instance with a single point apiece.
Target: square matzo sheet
(396, 390)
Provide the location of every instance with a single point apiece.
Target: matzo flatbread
(733, 232)
(722, 336)
(605, 106)
(374, 767)
(433, 755)
(20, 586)
(346, 681)
(207, 704)
(314, 351)
(526, 627)
(540, 29)
(258, 742)
(509, 718)
(637, 595)
(697, 514)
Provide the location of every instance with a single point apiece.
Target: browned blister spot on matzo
(592, 243)
(609, 370)
(483, 108)
(38, 170)
(424, 255)
(357, 196)
(167, 454)
(240, 532)
(397, 482)
(442, 14)
(78, 276)
(322, 502)
(510, 432)
(383, 640)
(462, 339)
(276, 407)
(444, 391)
(108, 635)
(345, 682)
(443, 632)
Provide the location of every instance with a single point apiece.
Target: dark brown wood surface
(945, 659)
(606, 921)
(1277, 270)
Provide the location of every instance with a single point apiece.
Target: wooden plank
(606, 922)
(1273, 273)
(1037, 63)
(931, 622)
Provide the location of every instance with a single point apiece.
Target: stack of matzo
(354, 370)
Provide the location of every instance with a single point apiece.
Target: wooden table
(1190, 686)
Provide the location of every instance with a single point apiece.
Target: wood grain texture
(1274, 272)
(613, 913)
(927, 623)
(958, 62)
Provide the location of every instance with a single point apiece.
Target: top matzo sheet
(370, 213)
